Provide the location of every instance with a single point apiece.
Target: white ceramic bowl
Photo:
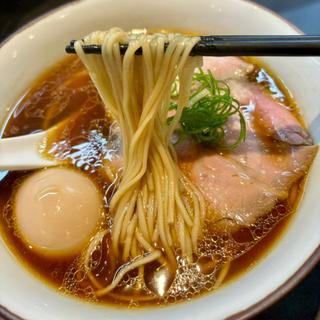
(40, 44)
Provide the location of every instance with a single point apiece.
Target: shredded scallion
(210, 106)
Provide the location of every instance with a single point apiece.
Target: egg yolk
(57, 211)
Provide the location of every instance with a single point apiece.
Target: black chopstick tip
(70, 49)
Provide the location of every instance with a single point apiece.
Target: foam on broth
(83, 141)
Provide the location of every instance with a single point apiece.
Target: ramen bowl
(33, 49)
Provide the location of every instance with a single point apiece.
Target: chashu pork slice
(224, 68)
(232, 192)
(245, 183)
(272, 117)
(274, 162)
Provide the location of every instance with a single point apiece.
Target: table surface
(303, 302)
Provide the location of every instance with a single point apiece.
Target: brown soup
(65, 92)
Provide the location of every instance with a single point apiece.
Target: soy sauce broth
(65, 93)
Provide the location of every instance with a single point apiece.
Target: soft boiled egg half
(57, 210)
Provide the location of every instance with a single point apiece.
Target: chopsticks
(300, 45)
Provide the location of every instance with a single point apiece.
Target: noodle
(155, 205)
(125, 268)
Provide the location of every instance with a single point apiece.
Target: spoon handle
(22, 153)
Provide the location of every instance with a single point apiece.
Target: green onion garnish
(210, 107)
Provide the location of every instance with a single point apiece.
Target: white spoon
(23, 152)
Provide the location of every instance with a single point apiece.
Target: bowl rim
(273, 296)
